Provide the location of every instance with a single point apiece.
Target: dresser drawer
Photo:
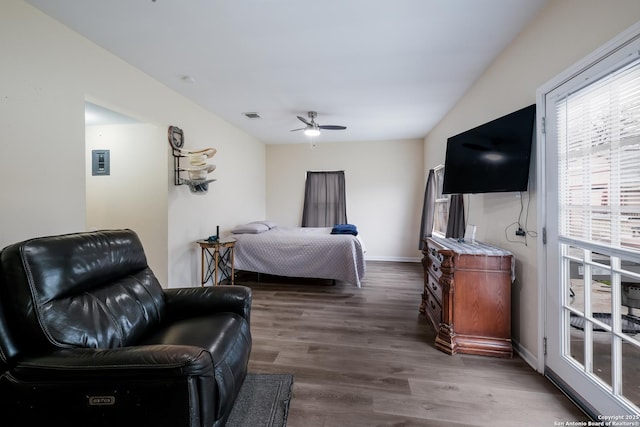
(434, 267)
(435, 256)
(434, 288)
(433, 310)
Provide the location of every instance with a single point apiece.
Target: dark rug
(263, 401)
(630, 324)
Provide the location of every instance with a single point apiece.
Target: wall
(47, 73)
(563, 33)
(238, 192)
(384, 186)
(134, 188)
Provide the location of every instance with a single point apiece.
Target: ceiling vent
(252, 116)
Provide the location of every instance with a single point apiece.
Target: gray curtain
(325, 200)
(428, 207)
(455, 223)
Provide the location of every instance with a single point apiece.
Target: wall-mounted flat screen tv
(493, 157)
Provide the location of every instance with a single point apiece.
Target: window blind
(599, 160)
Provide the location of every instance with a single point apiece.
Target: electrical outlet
(520, 232)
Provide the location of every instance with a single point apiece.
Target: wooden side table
(217, 255)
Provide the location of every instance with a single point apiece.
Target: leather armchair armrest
(156, 361)
(189, 302)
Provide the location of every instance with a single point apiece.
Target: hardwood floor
(365, 357)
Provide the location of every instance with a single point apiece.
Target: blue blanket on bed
(344, 229)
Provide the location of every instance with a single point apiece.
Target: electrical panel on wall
(100, 162)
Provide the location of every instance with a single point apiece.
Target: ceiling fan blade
(332, 127)
(293, 130)
(305, 121)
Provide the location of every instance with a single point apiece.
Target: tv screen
(493, 157)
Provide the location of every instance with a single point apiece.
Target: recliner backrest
(90, 289)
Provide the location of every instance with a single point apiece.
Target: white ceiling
(99, 115)
(385, 69)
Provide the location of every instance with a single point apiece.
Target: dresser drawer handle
(433, 306)
(435, 268)
(434, 287)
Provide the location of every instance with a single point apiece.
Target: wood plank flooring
(365, 357)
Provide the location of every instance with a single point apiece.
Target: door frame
(594, 63)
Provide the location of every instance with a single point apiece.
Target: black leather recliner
(88, 337)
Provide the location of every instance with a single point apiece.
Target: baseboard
(392, 259)
(525, 355)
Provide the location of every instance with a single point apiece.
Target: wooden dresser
(467, 296)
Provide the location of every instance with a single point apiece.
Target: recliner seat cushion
(226, 337)
(121, 363)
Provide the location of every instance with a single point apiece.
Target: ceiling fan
(313, 128)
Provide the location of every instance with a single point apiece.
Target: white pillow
(252, 228)
(269, 224)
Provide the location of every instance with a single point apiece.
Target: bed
(300, 252)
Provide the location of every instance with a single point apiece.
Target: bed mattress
(302, 252)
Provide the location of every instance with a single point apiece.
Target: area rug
(263, 401)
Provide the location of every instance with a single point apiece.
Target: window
(435, 210)
(441, 204)
(324, 199)
(599, 161)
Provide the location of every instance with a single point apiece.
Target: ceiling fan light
(312, 131)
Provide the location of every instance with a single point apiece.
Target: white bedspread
(302, 252)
